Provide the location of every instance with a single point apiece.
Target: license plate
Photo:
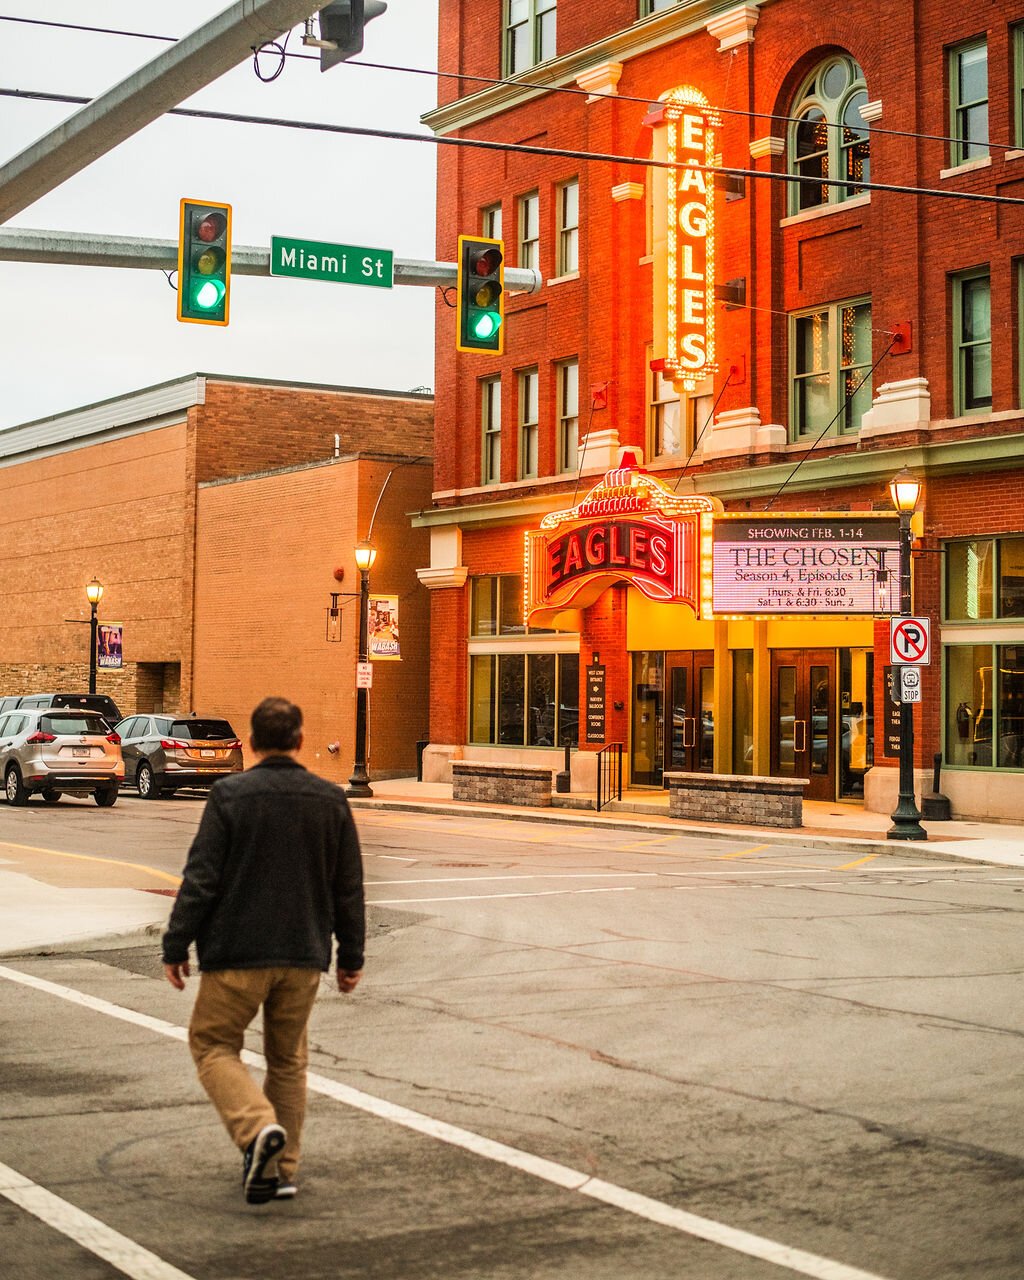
(208, 753)
(80, 751)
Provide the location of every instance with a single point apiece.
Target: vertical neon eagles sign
(690, 122)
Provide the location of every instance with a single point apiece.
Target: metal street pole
(92, 646)
(359, 783)
(906, 817)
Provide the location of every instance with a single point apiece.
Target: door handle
(692, 721)
(800, 740)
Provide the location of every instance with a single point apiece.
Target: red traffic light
(211, 227)
(488, 262)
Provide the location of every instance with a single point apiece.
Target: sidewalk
(840, 826)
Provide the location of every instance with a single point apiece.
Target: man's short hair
(276, 725)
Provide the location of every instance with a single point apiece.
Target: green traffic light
(209, 294)
(485, 325)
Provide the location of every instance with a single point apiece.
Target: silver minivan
(54, 751)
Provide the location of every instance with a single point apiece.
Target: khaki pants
(227, 1002)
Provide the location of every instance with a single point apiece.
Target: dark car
(100, 702)
(163, 753)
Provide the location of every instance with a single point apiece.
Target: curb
(580, 818)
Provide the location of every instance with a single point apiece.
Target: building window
(968, 101)
(984, 580)
(490, 420)
(529, 422)
(984, 683)
(529, 33)
(1017, 106)
(972, 343)
(568, 415)
(829, 137)
(529, 230)
(524, 697)
(664, 418)
(647, 7)
(830, 358)
(490, 222)
(568, 228)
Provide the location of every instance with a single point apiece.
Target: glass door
(647, 740)
(690, 714)
(804, 718)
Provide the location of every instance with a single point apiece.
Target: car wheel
(17, 792)
(51, 797)
(146, 783)
(106, 797)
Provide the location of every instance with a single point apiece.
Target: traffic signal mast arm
(73, 248)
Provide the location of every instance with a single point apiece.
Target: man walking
(273, 871)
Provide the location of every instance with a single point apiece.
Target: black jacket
(273, 870)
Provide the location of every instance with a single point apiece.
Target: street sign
(364, 675)
(342, 263)
(910, 641)
(910, 684)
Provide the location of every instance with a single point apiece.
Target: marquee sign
(629, 528)
(690, 122)
(810, 562)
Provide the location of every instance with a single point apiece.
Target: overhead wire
(539, 87)
(522, 148)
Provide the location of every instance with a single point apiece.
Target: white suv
(58, 750)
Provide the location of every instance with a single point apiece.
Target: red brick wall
(266, 552)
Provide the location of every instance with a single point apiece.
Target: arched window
(829, 138)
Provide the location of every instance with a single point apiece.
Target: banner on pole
(382, 630)
(109, 639)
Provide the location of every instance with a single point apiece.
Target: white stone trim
(826, 210)
(968, 166)
(871, 111)
(628, 191)
(560, 642)
(734, 27)
(601, 81)
(740, 431)
(905, 405)
(453, 576)
(1013, 155)
(571, 275)
(767, 146)
(600, 451)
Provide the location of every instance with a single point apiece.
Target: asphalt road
(575, 1053)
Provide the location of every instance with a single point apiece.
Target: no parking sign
(910, 642)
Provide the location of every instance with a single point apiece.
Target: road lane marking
(529, 875)
(487, 897)
(846, 866)
(89, 857)
(559, 1175)
(128, 1257)
(742, 853)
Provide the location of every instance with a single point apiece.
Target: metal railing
(609, 774)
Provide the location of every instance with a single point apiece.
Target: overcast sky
(73, 335)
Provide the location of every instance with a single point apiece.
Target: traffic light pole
(73, 248)
(181, 70)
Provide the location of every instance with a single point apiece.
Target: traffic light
(481, 287)
(341, 25)
(204, 262)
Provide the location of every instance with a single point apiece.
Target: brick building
(809, 339)
(219, 514)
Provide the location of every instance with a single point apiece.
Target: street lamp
(905, 490)
(359, 783)
(94, 594)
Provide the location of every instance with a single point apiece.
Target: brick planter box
(728, 797)
(483, 782)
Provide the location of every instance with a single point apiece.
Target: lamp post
(359, 783)
(94, 594)
(905, 490)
